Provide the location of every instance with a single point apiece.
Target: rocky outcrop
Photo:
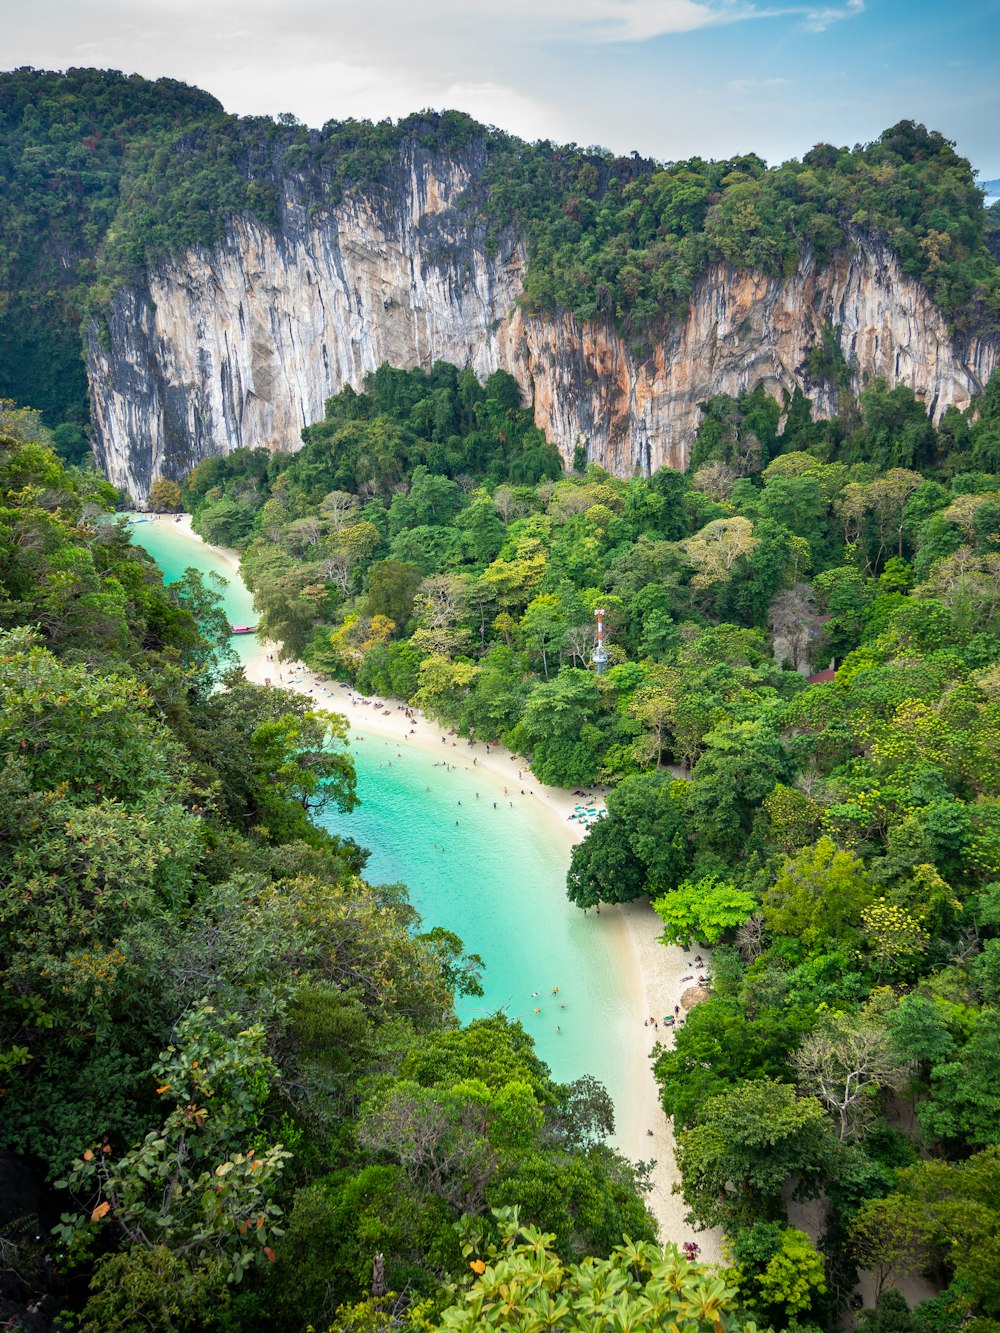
(239, 345)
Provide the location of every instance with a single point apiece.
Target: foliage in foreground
(522, 1283)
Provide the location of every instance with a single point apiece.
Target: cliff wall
(239, 345)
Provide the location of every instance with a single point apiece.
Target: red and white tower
(600, 653)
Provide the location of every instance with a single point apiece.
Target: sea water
(491, 868)
(175, 549)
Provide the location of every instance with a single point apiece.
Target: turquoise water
(494, 874)
(492, 868)
(175, 550)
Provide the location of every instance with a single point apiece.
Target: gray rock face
(239, 345)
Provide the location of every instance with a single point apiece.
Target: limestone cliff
(238, 346)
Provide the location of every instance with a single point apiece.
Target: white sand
(653, 974)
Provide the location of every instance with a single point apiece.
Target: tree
(193, 1185)
(604, 867)
(964, 1105)
(511, 582)
(442, 1137)
(891, 1237)
(444, 686)
(779, 1271)
(742, 762)
(355, 637)
(337, 507)
(715, 549)
(720, 1044)
(792, 818)
(845, 1062)
(301, 768)
(202, 599)
(542, 626)
(819, 895)
(639, 846)
(793, 620)
(289, 598)
(556, 730)
(957, 1212)
(705, 910)
(887, 496)
(392, 585)
(894, 935)
(86, 731)
(891, 1314)
(165, 496)
(654, 704)
(442, 603)
(747, 1143)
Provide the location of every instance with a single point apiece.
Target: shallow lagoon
(494, 876)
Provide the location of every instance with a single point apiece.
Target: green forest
(102, 174)
(838, 842)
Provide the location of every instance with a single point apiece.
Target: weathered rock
(694, 995)
(239, 345)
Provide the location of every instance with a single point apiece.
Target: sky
(667, 78)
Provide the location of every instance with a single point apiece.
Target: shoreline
(651, 974)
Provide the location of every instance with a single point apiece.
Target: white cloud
(820, 18)
(396, 23)
(336, 90)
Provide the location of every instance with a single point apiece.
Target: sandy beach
(654, 976)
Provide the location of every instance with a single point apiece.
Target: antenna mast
(600, 653)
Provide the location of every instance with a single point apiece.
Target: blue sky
(669, 78)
